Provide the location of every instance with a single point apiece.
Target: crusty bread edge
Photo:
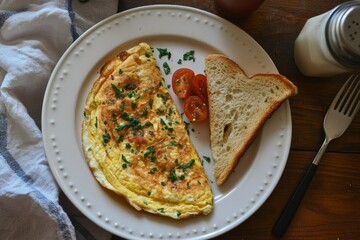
(293, 91)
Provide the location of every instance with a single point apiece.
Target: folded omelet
(136, 142)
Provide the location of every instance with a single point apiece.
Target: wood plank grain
(329, 210)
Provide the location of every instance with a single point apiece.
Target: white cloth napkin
(33, 36)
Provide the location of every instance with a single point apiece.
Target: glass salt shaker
(329, 44)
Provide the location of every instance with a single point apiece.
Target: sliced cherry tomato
(199, 86)
(195, 109)
(181, 82)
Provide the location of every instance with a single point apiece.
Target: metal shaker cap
(343, 34)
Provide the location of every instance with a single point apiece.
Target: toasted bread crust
(227, 69)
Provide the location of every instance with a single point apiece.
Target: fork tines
(347, 100)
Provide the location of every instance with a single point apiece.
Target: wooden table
(331, 206)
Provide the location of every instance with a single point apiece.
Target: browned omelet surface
(136, 143)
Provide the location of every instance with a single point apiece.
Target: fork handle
(285, 218)
(288, 213)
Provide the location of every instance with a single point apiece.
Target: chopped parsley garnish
(152, 170)
(130, 94)
(120, 71)
(161, 210)
(163, 97)
(151, 89)
(151, 101)
(129, 86)
(162, 122)
(173, 143)
(166, 126)
(96, 122)
(189, 56)
(151, 150)
(118, 92)
(126, 162)
(150, 153)
(144, 113)
(164, 52)
(125, 115)
(106, 138)
(170, 129)
(124, 159)
(170, 112)
(113, 117)
(179, 61)
(133, 123)
(196, 115)
(207, 159)
(122, 106)
(166, 67)
(148, 124)
(172, 176)
(185, 167)
(187, 124)
(160, 111)
(120, 138)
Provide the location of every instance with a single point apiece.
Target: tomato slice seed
(199, 86)
(195, 109)
(181, 82)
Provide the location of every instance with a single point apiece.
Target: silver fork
(340, 114)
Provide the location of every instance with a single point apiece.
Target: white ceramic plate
(179, 29)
